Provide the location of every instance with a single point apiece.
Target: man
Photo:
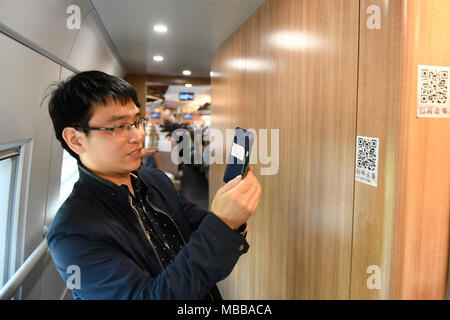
(129, 233)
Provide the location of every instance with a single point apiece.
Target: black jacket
(97, 231)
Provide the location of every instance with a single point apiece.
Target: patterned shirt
(164, 235)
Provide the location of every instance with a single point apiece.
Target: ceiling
(196, 28)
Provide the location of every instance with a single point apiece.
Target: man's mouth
(135, 153)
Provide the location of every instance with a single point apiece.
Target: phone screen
(239, 157)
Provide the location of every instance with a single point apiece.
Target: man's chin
(133, 166)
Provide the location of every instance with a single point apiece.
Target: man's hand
(237, 200)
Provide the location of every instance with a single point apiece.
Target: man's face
(110, 155)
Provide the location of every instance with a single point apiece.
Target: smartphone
(239, 157)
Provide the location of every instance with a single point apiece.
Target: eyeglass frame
(141, 120)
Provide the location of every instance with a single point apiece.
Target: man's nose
(136, 135)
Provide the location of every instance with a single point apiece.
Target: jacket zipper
(176, 226)
(145, 231)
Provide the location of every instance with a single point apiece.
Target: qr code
(367, 160)
(433, 91)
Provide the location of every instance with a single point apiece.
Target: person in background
(147, 156)
(154, 137)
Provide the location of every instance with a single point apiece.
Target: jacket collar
(106, 188)
(89, 179)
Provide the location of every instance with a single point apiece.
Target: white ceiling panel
(196, 28)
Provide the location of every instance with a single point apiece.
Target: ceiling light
(187, 72)
(158, 58)
(188, 85)
(160, 28)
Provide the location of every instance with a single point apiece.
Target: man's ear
(74, 139)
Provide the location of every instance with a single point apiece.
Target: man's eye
(120, 126)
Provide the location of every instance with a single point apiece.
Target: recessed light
(160, 28)
(188, 85)
(187, 72)
(158, 58)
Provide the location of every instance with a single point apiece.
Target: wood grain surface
(293, 66)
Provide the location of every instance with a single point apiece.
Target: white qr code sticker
(367, 160)
(432, 93)
(238, 151)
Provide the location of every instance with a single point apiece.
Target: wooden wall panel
(423, 206)
(380, 74)
(402, 225)
(316, 231)
(293, 66)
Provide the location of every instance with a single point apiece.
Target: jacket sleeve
(107, 273)
(194, 214)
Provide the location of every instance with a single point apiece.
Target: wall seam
(354, 140)
(33, 46)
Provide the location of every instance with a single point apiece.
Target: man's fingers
(247, 192)
(254, 199)
(253, 193)
(244, 188)
(245, 185)
(230, 185)
(237, 182)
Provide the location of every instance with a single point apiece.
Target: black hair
(71, 101)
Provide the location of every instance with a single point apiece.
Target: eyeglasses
(120, 129)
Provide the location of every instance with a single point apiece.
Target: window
(69, 175)
(8, 180)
